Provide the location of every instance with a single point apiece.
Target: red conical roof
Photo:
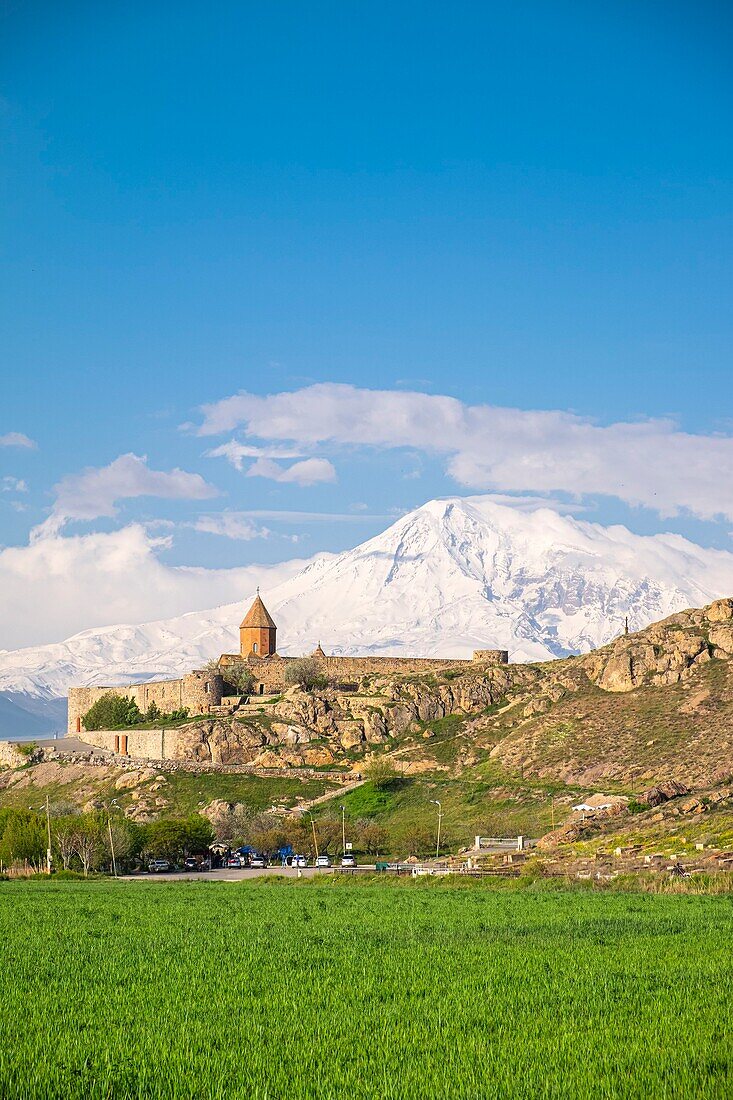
(258, 616)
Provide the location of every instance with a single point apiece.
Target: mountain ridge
(453, 575)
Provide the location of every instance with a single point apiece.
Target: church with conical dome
(257, 631)
(212, 690)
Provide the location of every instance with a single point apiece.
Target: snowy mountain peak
(452, 576)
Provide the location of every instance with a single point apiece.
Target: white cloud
(13, 485)
(17, 439)
(650, 463)
(310, 471)
(95, 491)
(529, 503)
(63, 584)
(311, 517)
(230, 525)
(236, 452)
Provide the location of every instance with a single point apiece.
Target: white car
(322, 861)
(348, 860)
(299, 861)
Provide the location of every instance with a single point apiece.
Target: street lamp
(313, 825)
(49, 856)
(111, 842)
(435, 802)
(343, 829)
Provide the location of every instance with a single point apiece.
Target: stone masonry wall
(10, 755)
(269, 672)
(199, 691)
(158, 744)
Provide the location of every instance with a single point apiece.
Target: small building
(258, 632)
(596, 802)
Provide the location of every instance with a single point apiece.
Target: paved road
(236, 874)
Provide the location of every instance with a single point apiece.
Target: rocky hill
(506, 747)
(452, 576)
(650, 705)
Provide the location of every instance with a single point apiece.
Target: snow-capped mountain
(452, 576)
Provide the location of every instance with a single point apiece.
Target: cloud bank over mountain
(453, 575)
(649, 462)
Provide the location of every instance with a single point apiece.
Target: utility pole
(111, 841)
(313, 826)
(48, 827)
(435, 802)
(343, 830)
(111, 845)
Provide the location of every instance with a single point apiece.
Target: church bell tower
(258, 633)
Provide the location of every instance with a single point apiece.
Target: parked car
(190, 863)
(299, 861)
(347, 860)
(322, 861)
(257, 861)
(161, 865)
(237, 861)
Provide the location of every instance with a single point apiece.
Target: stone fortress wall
(202, 691)
(269, 672)
(158, 744)
(198, 691)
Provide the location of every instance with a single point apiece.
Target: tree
(64, 832)
(306, 673)
(112, 711)
(420, 841)
(22, 837)
(372, 838)
(126, 839)
(381, 772)
(329, 834)
(176, 838)
(88, 842)
(152, 714)
(238, 676)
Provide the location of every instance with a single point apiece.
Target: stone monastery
(206, 691)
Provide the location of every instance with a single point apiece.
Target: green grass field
(361, 990)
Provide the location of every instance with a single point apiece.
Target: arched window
(254, 647)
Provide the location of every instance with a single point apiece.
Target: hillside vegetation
(506, 749)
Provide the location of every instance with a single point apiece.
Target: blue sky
(521, 207)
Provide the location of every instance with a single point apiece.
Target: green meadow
(369, 989)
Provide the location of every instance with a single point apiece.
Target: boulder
(655, 796)
(618, 674)
(375, 727)
(721, 636)
(692, 806)
(719, 611)
(350, 733)
(401, 716)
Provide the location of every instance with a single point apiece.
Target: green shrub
(238, 676)
(306, 673)
(381, 772)
(112, 711)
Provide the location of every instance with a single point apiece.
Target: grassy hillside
(631, 739)
(506, 750)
